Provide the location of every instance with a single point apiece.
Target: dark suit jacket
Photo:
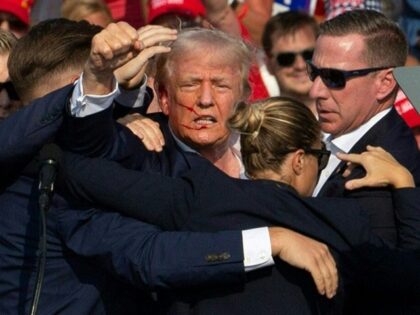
(205, 199)
(95, 258)
(173, 161)
(395, 136)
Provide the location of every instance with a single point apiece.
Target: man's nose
(206, 95)
(318, 88)
(300, 62)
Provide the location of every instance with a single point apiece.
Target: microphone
(49, 158)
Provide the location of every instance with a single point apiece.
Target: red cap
(19, 8)
(157, 8)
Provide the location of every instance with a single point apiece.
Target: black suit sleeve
(147, 196)
(99, 135)
(407, 213)
(146, 257)
(24, 133)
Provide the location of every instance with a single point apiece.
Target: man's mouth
(301, 76)
(201, 122)
(205, 120)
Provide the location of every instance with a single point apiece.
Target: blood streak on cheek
(190, 109)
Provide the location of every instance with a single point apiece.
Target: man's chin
(205, 141)
(328, 127)
(297, 91)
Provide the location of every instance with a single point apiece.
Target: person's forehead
(292, 43)
(205, 62)
(304, 33)
(339, 51)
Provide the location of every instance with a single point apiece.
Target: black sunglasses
(286, 59)
(322, 155)
(10, 89)
(334, 78)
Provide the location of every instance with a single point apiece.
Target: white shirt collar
(235, 145)
(344, 144)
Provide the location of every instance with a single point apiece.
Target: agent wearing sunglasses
(354, 90)
(288, 41)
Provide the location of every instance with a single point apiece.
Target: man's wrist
(126, 86)
(82, 105)
(275, 240)
(133, 98)
(94, 84)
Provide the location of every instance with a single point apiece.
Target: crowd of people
(182, 184)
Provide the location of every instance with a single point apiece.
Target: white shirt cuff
(84, 105)
(257, 248)
(133, 98)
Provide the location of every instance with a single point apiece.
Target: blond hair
(272, 128)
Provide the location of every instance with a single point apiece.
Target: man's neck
(224, 158)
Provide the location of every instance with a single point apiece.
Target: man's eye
(188, 86)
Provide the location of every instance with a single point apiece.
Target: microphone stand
(49, 156)
(42, 257)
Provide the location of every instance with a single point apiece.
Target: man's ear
(298, 161)
(386, 84)
(163, 98)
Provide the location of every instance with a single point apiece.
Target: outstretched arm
(147, 257)
(103, 181)
(381, 170)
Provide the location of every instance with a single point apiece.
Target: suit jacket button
(224, 256)
(211, 258)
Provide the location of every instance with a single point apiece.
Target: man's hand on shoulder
(146, 130)
(306, 253)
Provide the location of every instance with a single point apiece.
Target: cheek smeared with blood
(191, 109)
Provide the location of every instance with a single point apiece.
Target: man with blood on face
(198, 83)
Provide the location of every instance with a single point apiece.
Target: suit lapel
(376, 136)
